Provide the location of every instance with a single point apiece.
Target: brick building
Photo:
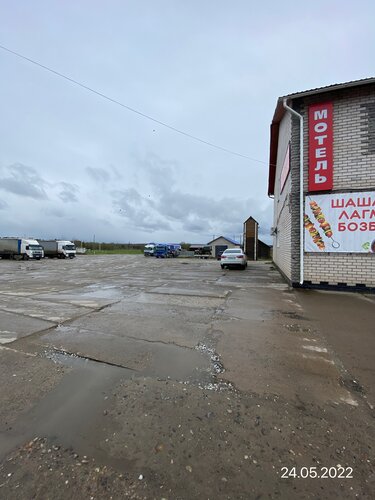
(322, 178)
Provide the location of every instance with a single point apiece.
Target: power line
(104, 96)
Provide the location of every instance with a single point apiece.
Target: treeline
(95, 245)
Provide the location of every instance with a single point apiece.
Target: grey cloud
(68, 192)
(98, 174)
(200, 214)
(128, 195)
(104, 222)
(264, 232)
(24, 181)
(137, 211)
(226, 96)
(181, 206)
(153, 225)
(116, 173)
(3, 205)
(196, 226)
(196, 213)
(127, 202)
(161, 173)
(56, 212)
(231, 230)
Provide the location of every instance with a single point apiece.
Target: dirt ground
(132, 377)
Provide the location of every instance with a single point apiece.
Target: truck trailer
(61, 249)
(20, 248)
(174, 249)
(203, 252)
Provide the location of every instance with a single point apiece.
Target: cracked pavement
(125, 376)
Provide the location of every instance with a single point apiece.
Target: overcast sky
(75, 165)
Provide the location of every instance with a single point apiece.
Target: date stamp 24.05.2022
(334, 472)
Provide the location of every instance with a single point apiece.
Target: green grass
(114, 252)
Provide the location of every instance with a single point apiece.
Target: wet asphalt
(110, 357)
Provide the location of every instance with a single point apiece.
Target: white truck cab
(67, 248)
(62, 249)
(149, 250)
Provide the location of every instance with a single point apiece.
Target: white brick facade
(282, 243)
(354, 170)
(351, 269)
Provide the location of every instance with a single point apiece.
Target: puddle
(73, 360)
(178, 363)
(103, 293)
(72, 414)
(168, 290)
(6, 337)
(179, 300)
(90, 296)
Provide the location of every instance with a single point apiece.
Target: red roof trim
(274, 142)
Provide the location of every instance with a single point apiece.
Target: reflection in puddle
(6, 337)
(71, 414)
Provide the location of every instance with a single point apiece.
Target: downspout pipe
(301, 210)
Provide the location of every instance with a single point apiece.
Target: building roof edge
(280, 111)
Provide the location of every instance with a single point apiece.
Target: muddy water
(71, 414)
(74, 413)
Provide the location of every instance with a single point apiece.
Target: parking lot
(124, 376)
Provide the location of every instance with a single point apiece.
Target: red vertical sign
(321, 147)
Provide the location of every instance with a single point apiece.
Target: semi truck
(161, 251)
(20, 248)
(61, 249)
(174, 249)
(158, 250)
(149, 249)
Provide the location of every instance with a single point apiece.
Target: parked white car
(233, 257)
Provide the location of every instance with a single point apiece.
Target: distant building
(222, 243)
(264, 250)
(322, 179)
(254, 248)
(250, 238)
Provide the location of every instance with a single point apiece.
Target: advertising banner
(340, 222)
(321, 147)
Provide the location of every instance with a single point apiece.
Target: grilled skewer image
(314, 233)
(319, 216)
